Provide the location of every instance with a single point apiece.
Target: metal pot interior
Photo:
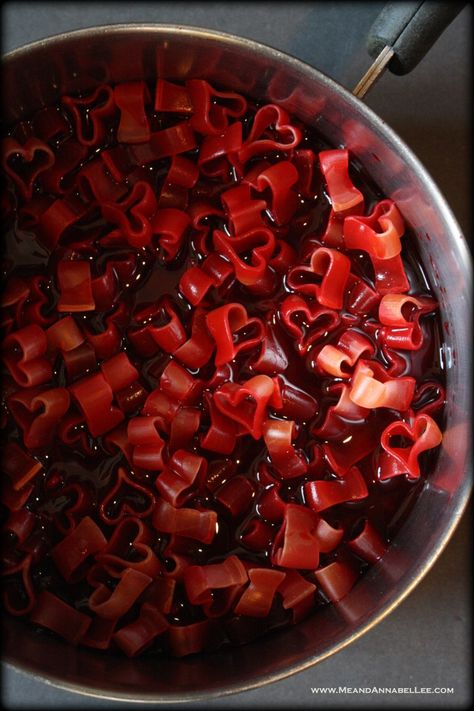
(38, 75)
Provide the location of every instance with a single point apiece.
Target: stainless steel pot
(37, 75)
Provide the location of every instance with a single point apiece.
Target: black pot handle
(401, 36)
(410, 29)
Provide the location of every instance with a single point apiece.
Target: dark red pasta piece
(85, 540)
(257, 598)
(89, 114)
(125, 498)
(321, 495)
(38, 413)
(54, 614)
(296, 543)
(24, 355)
(184, 470)
(136, 636)
(188, 522)
(25, 163)
(75, 286)
(111, 605)
(130, 99)
(129, 547)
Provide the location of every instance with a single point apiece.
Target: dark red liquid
(388, 503)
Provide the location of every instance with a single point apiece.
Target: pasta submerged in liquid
(221, 385)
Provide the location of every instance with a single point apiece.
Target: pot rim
(457, 243)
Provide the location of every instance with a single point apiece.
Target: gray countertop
(425, 642)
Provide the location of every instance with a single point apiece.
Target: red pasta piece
(227, 322)
(129, 547)
(112, 605)
(38, 414)
(257, 598)
(297, 594)
(244, 213)
(296, 543)
(172, 97)
(337, 416)
(201, 580)
(307, 322)
(169, 142)
(24, 163)
(247, 403)
(280, 178)
(325, 279)
(211, 108)
(133, 214)
(272, 358)
(372, 387)
(342, 192)
(89, 114)
(95, 183)
(361, 232)
(20, 524)
(183, 428)
(304, 161)
(131, 99)
(258, 535)
(402, 332)
(64, 335)
(67, 158)
(328, 537)
(99, 634)
(75, 287)
(321, 495)
(24, 355)
(182, 172)
(361, 299)
(222, 433)
(197, 350)
(95, 398)
(194, 285)
(190, 639)
(390, 275)
(19, 604)
(184, 471)
(160, 593)
(80, 360)
(50, 124)
(270, 115)
(85, 540)
(336, 580)
(119, 372)
(78, 502)
(58, 218)
(19, 466)
(368, 543)
(126, 497)
(179, 384)
(422, 433)
(285, 458)
(170, 225)
(188, 522)
(216, 150)
(135, 637)
(54, 614)
(337, 360)
(258, 243)
(295, 404)
(236, 495)
(147, 444)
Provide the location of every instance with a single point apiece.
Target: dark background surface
(426, 641)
